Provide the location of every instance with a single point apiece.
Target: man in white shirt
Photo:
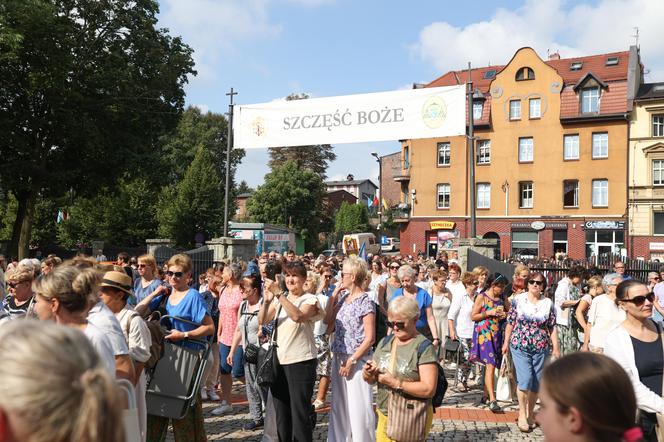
(104, 319)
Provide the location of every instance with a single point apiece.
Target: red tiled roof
(460, 77)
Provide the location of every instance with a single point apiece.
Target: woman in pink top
(230, 298)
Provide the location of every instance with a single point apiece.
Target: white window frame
(600, 142)
(589, 100)
(657, 172)
(483, 195)
(571, 147)
(526, 195)
(443, 189)
(526, 150)
(658, 125)
(600, 195)
(535, 111)
(478, 109)
(576, 193)
(444, 147)
(515, 109)
(484, 152)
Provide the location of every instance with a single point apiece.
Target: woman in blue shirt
(426, 323)
(148, 282)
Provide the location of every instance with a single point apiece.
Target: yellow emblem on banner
(447, 225)
(434, 112)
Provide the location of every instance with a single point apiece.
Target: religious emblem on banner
(434, 112)
(258, 126)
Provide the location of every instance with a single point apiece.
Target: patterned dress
(488, 336)
(567, 335)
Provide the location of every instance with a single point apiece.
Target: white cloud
(312, 3)
(204, 108)
(583, 29)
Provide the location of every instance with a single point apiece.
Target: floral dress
(488, 336)
(567, 335)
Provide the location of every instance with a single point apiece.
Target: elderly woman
(441, 300)
(454, 283)
(460, 324)
(19, 302)
(351, 313)
(637, 346)
(566, 297)
(426, 324)
(115, 291)
(296, 313)
(399, 366)
(530, 332)
(186, 303)
(230, 298)
(54, 387)
(604, 314)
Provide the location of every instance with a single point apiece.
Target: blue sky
(268, 49)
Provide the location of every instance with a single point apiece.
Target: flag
(368, 202)
(363, 251)
(60, 217)
(375, 202)
(385, 204)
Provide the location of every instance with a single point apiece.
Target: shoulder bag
(268, 362)
(251, 351)
(659, 429)
(406, 416)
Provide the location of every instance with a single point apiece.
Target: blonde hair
(520, 268)
(75, 288)
(315, 280)
(19, 274)
(468, 278)
(480, 270)
(181, 260)
(76, 401)
(595, 281)
(404, 307)
(148, 260)
(357, 267)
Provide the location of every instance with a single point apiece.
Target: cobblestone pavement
(460, 418)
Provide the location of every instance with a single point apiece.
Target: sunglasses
(174, 274)
(13, 285)
(396, 324)
(142, 266)
(327, 276)
(641, 299)
(536, 281)
(394, 267)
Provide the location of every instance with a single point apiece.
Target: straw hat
(117, 280)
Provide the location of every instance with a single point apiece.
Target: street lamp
(380, 195)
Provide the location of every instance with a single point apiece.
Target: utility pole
(229, 147)
(471, 156)
(380, 196)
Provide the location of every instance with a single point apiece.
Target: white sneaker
(213, 395)
(224, 408)
(204, 395)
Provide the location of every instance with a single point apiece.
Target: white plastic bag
(503, 381)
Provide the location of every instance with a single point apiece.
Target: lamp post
(380, 196)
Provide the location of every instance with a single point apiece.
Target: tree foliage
(314, 157)
(351, 218)
(87, 87)
(291, 196)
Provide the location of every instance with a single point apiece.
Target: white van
(352, 244)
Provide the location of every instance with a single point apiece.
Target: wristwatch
(399, 388)
(186, 335)
(352, 360)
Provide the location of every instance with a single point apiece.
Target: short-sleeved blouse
(423, 299)
(229, 305)
(531, 323)
(348, 325)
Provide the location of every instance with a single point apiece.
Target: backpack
(441, 381)
(157, 334)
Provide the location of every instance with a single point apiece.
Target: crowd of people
(371, 332)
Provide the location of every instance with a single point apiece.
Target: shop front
(440, 237)
(539, 238)
(604, 237)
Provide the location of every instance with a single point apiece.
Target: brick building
(550, 159)
(390, 167)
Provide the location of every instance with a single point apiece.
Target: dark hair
(296, 268)
(575, 272)
(598, 388)
(124, 256)
(496, 279)
(624, 287)
(533, 274)
(254, 281)
(454, 266)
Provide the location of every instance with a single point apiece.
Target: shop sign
(539, 225)
(657, 246)
(277, 237)
(605, 225)
(446, 225)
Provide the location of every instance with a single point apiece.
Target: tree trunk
(22, 229)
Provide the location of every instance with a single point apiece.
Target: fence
(202, 258)
(504, 268)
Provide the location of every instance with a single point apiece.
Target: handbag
(504, 381)
(406, 416)
(251, 350)
(659, 429)
(268, 361)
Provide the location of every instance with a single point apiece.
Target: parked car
(391, 245)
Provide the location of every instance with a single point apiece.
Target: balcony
(401, 213)
(401, 174)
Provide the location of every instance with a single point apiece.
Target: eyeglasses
(396, 324)
(641, 299)
(327, 276)
(246, 288)
(174, 274)
(536, 281)
(13, 285)
(394, 267)
(142, 266)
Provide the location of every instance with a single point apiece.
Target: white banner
(382, 116)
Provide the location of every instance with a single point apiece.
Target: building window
(571, 193)
(443, 196)
(515, 109)
(560, 241)
(406, 158)
(444, 154)
(535, 108)
(658, 172)
(600, 193)
(526, 195)
(590, 100)
(483, 196)
(478, 107)
(525, 244)
(600, 145)
(658, 125)
(525, 73)
(484, 152)
(658, 223)
(526, 150)
(603, 242)
(571, 147)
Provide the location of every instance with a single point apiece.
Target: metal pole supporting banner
(471, 156)
(229, 147)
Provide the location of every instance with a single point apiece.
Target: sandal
(523, 426)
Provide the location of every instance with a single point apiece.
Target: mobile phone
(271, 269)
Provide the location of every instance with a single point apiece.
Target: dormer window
(478, 108)
(576, 66)
(589, 100)
(488, 75)
(525, 73)
(611, 61)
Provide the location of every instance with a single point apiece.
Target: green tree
(195, 204)
(87, 88)
(313, 157)
(293, 197)
(243, 187)
(351, 218)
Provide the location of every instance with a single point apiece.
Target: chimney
(554, 56)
